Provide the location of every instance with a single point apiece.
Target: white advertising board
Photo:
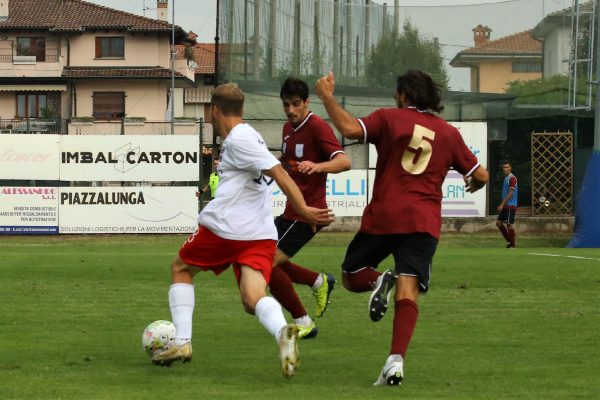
(456, 202)
(133, 209)
(129, 158)
(100, 158)
(346, 194)
(29, 157)
(28, 210)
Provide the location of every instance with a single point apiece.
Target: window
(32, 46)
(526, 67)
(109, 105)
(110, 47)
(31, 105)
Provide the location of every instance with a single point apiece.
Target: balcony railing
(89, 126)
(8, 58)
(33, 125)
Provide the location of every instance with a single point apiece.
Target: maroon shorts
(209, 252)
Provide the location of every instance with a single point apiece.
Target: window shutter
(98, 47)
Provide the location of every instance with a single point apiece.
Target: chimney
(481, 35)
(3, 10)
(162, 10)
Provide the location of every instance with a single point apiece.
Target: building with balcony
(65, 61)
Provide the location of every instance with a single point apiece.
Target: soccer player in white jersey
(237, 228)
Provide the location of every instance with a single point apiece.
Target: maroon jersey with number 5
(312, 140)
(415, 150)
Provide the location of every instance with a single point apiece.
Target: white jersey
(241, 209)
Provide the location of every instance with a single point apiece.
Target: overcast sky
(452, 23)
(199, 15)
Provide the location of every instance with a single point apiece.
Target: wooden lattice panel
(552, 173)
(53, 105)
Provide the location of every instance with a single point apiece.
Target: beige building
(495, 63)
(73, 60)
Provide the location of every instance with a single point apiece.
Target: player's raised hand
(325, 85)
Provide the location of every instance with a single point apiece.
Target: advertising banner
(29, 157)
(133, 209)
(100, 158)
(28, 210)
(129, 158)
(346, 194)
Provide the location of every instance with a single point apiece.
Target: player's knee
(499, 224)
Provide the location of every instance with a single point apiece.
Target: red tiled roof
(204, 57)
(119, 73)
(521, 42)
(518, 44)
(76, 15)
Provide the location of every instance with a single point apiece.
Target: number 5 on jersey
(416, 157)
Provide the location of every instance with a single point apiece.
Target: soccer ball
(157, 335)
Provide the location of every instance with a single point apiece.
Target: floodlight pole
(172, 67)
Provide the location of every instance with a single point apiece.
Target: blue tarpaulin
(587, 208)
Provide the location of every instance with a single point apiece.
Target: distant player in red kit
(415, 150)
(309, 151)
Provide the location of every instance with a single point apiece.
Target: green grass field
(497, 324)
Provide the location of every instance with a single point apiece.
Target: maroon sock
(504, 232)
(361, 281)
(283, 290)
(511, 235)
(299, 274)
(405, 320)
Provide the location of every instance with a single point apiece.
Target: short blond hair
(229, 98)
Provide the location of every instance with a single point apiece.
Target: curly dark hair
(420, 90)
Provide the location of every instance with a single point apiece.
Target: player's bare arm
(345, 123)
(339, 163)
(314, 216)
(506, 199)
(476, 180)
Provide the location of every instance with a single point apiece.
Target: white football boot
(288, 350)
(392, 372)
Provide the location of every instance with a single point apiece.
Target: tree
(549, 91)
(392, 56)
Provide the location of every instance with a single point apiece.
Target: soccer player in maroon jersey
(309, 151)
(415, 150)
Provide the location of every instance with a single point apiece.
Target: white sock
(318, 282)
(269, 314)
(181, 302)
(303, 321)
